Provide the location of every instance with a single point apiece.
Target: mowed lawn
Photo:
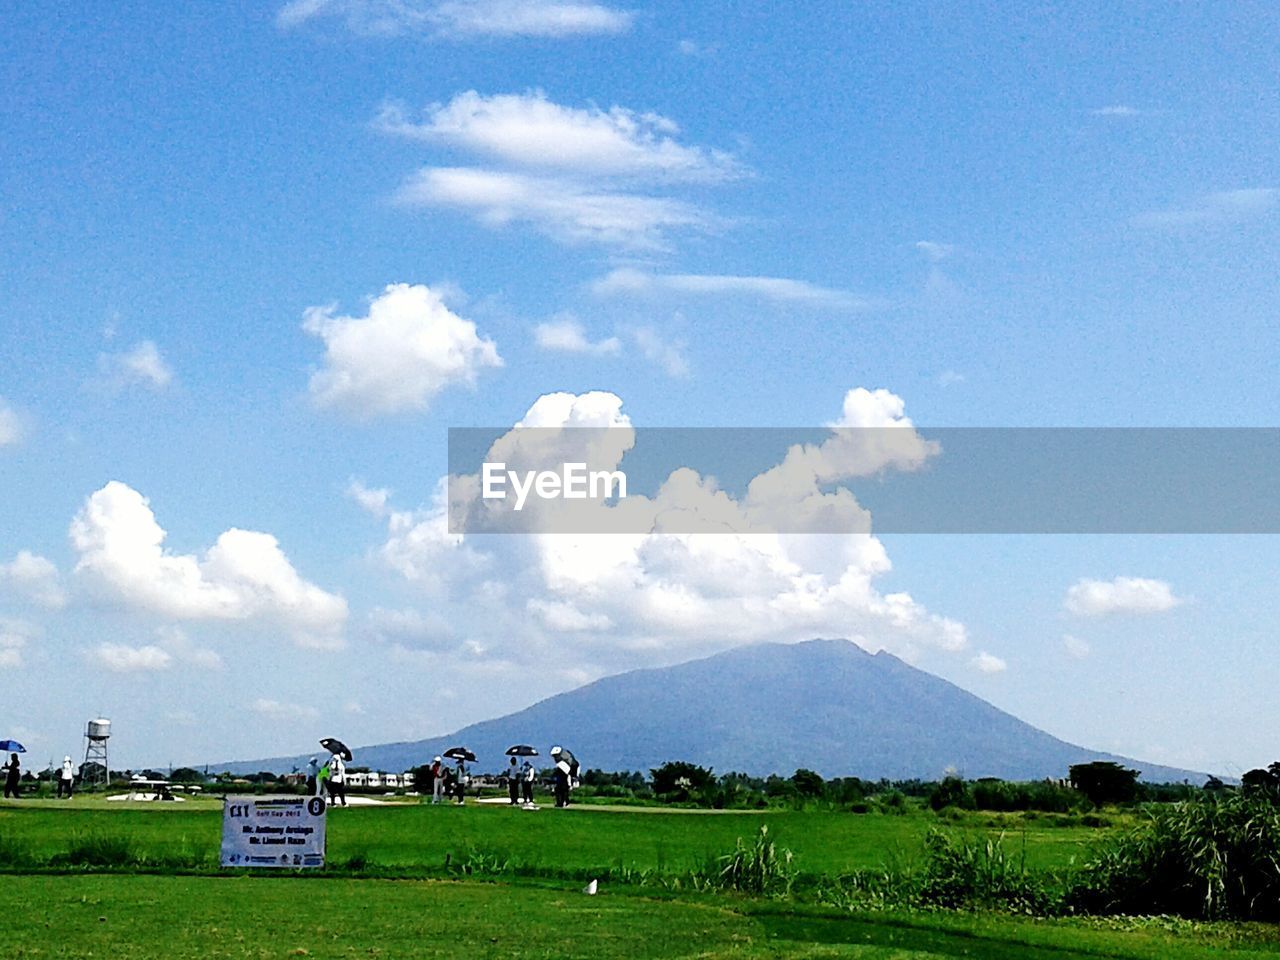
(144, 917)
(581, 838)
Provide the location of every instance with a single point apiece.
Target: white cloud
(1136, 595)
(1117, 111)
(566, 334)
(35, 577)
(244, 575)
(528, 131)
(949, 378)
(373, 502)
(14, 636)
(563, 209)
(121, 658)
(595, 603)
(668, 354)
(398, 357)
(989, 663)
(1075, 646)
(278, 710)
(463, 19)
(175, 642)
(10, 425)
(935, 252)
(773, 289)
(1222, 207)
(140, 366)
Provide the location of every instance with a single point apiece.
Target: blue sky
(717, 214)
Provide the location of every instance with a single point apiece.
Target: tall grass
(1211, 859)
(759, 867)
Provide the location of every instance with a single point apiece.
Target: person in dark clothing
(13, 772)
(460, 782)
(527, 773)
(513, 782)
(561, 775)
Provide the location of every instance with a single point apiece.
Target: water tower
(96, 771)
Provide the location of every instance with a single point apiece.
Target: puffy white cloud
(463, 19)
(10, 425)
(566, 334)
(627, 280)
(281, 711)
(34, 577)
(1218, 208)
(408, 348)
(244, 575)
(594, 602)
(140, 366)
(989, 663)
(530, 131)
(1135, 595)
(563, 209)
(121, 658)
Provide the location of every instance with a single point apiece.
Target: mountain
(824, 704)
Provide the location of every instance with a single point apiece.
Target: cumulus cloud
(599, 602)
(140, 366)
(281, 711)
(1134, 595)
(564, 209)
(462, 19)
(629, 281)
(35, 578)
(1219, 208)
(122, 658)
(243, 576)
(989, 663)
(10, 425)
(530, 131)
(398, 357)
(566, 334)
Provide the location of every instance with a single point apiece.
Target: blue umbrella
(11, 746)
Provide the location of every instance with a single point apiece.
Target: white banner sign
(273, 832)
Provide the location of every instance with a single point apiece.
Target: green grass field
(127, 913)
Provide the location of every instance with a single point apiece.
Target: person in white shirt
(66, 778)
(337, 780)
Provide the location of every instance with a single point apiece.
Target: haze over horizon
(258, 262)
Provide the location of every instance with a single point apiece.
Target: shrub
(962, 874)
(1212, 859)
(759, 868)
(951, 792)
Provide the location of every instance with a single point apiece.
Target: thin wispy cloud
(934, 251)
(566, 334)
(667, 352)
(462, 19)
(10, 425)
(1220, 207)
(1117, 111)
(530, 131)
(579, 175)
(562, 209)
(142, 365)
(782, 290)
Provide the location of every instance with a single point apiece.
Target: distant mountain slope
(824, 704)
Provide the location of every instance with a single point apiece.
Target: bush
(1212, 859)
(951, 792)
(759, 868)
(961, 874)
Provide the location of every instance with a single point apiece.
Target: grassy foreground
(146, 917)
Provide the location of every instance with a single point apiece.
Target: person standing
(437, 780)
(513, 782)
(66, 778)
(337, 779)
(460, 782)
(13, 771)
(527, 773)
(313, 784)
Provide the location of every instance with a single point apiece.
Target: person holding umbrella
(462, 756)
(336, 782)
(13, 771)
(561, 776)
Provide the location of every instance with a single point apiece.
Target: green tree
(678, 780)
(1105, 782)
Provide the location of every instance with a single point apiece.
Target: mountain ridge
(827, 705)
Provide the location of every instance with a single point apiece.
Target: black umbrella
(459, 753)
(521, 750)
(13, 746)
(338, 747)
